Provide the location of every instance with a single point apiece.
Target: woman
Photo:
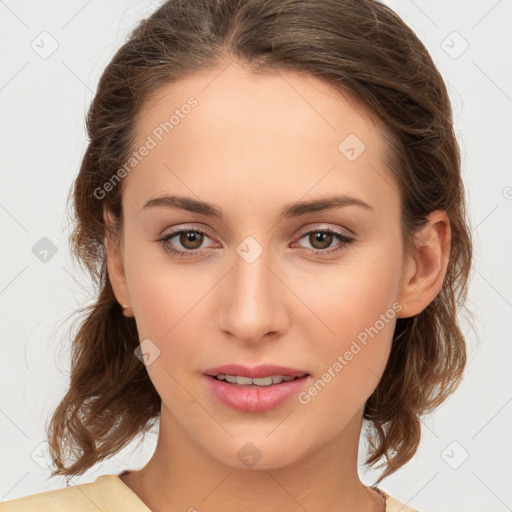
(272, 207)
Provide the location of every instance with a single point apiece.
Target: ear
(426, 268)
(115, 268)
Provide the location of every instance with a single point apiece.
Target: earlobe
(426, 268)
(115, 268)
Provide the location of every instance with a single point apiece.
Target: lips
(263, 370)
(254, 399)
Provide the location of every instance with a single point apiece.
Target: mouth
(263, 375)
(261, 382)
(255, 390)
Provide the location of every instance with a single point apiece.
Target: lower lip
(252, 399)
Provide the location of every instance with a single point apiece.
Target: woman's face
(259, 287)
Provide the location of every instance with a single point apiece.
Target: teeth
(262, 381)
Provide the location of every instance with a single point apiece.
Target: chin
(258, 453)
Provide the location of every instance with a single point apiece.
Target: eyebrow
(288, 211)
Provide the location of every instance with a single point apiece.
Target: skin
(253, 144)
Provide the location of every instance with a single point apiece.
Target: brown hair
(364, 50)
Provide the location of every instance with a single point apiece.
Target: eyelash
(344, 239)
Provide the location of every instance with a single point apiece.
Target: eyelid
(321, 226)
(176, 230)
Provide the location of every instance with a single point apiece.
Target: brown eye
(183, 242)
(320, 239)
(191, 239)
(321, 242)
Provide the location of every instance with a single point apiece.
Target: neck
(182, 476)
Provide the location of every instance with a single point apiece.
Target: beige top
(109, 493)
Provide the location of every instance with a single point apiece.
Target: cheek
(170, 312)
(357, 294)
(359, 307)
(169, 306)
(348, 366)
(161, 292)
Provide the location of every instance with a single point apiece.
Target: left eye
(325, 237)
(192, 239)
(185, 237)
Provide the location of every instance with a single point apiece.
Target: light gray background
(43, 103)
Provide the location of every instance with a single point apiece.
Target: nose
(252, 301)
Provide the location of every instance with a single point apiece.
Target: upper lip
(263, 370)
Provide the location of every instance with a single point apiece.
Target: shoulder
(107, 492)
(392, 504)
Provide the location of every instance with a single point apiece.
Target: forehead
(293, 103)
(229, 129)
